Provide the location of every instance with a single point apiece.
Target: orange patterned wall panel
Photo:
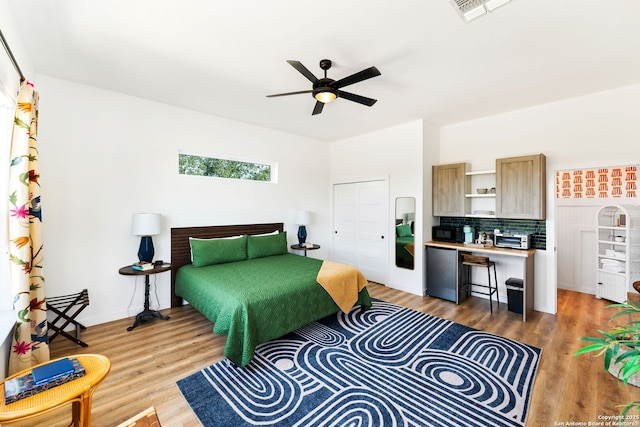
(597, 183)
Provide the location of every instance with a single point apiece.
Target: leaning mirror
(405, 223)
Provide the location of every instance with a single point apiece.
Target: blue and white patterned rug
(388, 366)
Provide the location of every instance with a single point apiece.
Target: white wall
(105, 156)
(430, 157)
(396, 154)
(587, 131)
(9, 79)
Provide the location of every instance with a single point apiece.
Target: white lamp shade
(302, 218)
(145, 224)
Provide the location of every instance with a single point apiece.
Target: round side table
(147, 313)
(79, 392)
(305, 248)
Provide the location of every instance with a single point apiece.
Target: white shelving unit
(482, 202)
(618, 234)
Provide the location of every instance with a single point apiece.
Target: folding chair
(66, 308)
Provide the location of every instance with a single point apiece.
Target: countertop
(477, 248)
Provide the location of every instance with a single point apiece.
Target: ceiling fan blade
(303, 70)
(357, 77)
(289, 93)
(357, 98)
(318, 108)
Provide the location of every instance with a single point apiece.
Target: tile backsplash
(537, 228)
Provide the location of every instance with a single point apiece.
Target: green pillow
(262, 246)
(218, 251)
(403, 230)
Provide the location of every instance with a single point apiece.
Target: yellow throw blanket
(342, 282)
(411, 247)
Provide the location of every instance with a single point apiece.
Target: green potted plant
(620, 347)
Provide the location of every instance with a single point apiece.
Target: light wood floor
(149, 360)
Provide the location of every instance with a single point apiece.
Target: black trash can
(514, 294)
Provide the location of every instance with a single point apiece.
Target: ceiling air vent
(471, 9)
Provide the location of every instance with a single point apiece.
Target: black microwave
(447, 234)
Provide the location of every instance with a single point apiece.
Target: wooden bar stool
(469, 261)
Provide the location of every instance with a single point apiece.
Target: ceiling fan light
(325, 95)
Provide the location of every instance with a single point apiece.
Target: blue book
(23, 386)
(52, 371)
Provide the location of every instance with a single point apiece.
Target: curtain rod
(11, 57)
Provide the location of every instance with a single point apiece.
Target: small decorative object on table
(143, 266)
(42, 378)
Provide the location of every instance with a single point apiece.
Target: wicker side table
(79, 392)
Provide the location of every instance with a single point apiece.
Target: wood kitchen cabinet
(521, 187)
(450, 184)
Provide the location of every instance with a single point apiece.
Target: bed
(253, 300)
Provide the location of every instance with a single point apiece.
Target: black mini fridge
(442, 273)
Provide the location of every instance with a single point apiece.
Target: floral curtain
(30, 343)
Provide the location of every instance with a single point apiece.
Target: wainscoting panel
(576, 250)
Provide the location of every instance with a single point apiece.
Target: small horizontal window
(216, 167)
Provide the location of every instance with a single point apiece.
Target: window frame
(273, 166)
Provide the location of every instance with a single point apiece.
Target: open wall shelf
(618, 247)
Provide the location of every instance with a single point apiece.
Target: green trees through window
(223, 168)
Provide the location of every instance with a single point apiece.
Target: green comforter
(257, 300)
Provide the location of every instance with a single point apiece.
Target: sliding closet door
(361, 225)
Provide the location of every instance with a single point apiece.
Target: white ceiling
(224, 57)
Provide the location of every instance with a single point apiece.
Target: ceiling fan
(325, 90)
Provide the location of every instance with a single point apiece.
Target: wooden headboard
(181, 250)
